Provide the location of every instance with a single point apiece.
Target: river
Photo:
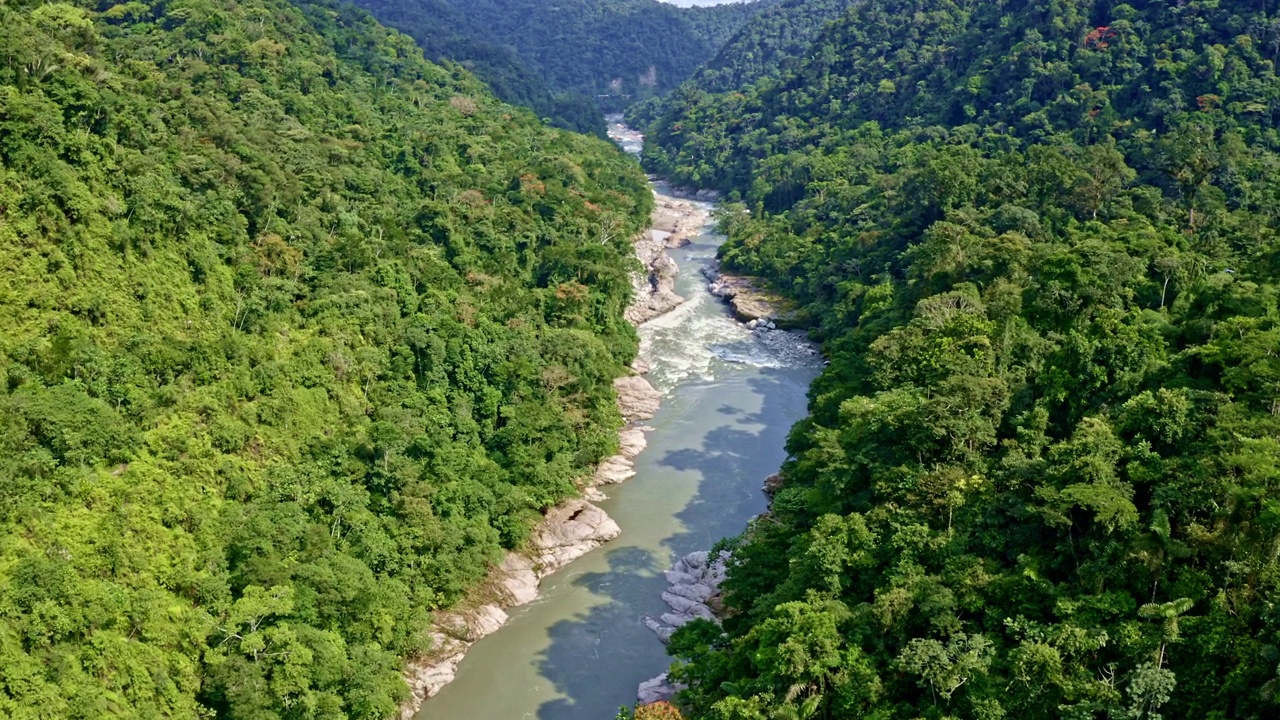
(730, 397)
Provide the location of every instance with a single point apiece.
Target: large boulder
(637, 399)
(693, 592)
(568, 532)
(657, 689)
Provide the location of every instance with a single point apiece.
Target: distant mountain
(761, 48)
(912, 63)
(447, 34)
(700, 3)
(569, 59)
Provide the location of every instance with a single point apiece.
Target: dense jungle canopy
(298, 332)
(773, 38)
(1041, 477)
(569, 59)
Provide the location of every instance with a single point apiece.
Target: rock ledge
(693, 591)
(674, 222)
(750, 303)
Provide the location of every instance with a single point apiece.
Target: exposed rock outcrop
(694, 582)
(751, 303)
(455, 633)
(632, 440)
(657, 689)
(637, 399)
(613, 470)
(620, 467)
(694, 592)
(674, 222)
(566, 533)
(655, 289)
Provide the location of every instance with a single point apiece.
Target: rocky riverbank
(674, 222)
(750, 303)
(567, 532)
(693, 593)
(575, 527)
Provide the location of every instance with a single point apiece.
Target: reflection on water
(580, 650)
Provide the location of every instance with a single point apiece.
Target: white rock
(520, 589)
(568, 532)
(488, 618)
(696, 592)
(682, 605)
(614, 470)
(675, 620)
(695, 560)
(637, 399)
(632, 440)
(457, 631)
(693, 581)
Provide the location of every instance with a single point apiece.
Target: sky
(691, 3)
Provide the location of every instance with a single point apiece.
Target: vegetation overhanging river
(730, 397)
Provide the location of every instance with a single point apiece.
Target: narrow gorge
(729, 395)
(351, 373)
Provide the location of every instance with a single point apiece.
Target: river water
(579, 651)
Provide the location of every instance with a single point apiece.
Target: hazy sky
(688, 3)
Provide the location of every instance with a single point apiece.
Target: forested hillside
(297, 332)
(567, 59)
(1041, 477)
(772, 38)
(447, 33)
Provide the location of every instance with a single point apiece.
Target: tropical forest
(299, 333)
(331, 333)
(570, 59)
(1038, 242)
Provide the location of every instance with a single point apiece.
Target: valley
(893, 359)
